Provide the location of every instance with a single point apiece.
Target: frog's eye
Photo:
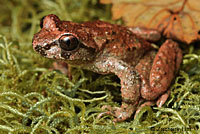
(41, 22)
(68, 42)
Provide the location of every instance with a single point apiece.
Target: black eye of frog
(68, 42)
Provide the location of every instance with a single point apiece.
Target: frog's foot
(163, 98)
(120, 113)
(63, 68)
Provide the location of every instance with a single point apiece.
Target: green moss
(35, 99)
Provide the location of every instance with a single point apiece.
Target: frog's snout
(39, 50)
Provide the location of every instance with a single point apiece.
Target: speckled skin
(107, 48)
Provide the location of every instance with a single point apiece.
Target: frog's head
(57, 40)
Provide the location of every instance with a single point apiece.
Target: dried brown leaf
(177, 19)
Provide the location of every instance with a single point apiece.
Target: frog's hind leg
(165, 65)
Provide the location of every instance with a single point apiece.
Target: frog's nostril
(37, 48)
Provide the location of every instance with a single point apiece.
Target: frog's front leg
(130, 86)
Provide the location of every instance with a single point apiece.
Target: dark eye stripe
(48, 46)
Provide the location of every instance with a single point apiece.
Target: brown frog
(145, 74)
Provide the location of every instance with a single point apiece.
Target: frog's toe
(163, 98)
(120, 113)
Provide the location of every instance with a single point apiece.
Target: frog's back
(117, 41)
(103, 35)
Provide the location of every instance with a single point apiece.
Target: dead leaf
(105, 1)
(177, 19)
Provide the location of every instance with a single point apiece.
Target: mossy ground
(35, 99)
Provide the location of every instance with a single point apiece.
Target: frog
(145, 73)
